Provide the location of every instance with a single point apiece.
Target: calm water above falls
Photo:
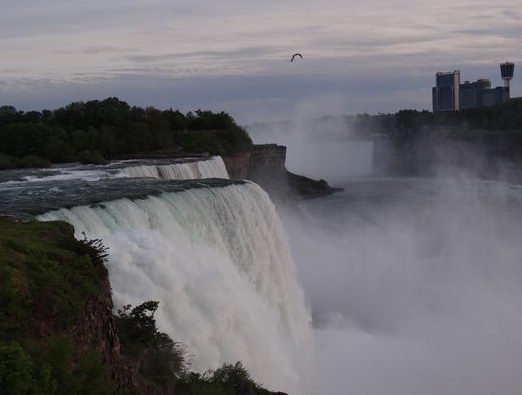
(165, 169)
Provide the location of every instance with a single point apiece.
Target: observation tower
(507, 70)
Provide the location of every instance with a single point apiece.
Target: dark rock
(265, 165)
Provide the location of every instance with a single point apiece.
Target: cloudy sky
(359, 55)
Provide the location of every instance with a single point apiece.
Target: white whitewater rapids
(218, 261)
(211, 168)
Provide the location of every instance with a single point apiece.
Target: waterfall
(218, 260)
(211, 168)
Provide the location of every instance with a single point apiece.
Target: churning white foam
(218, 261)
(211, 168)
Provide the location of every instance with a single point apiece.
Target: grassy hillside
(58, 335)
(45, 278)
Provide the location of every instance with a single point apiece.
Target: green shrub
(91, 157)
(7, 162)
(162, 358)
(229, 379)
(31, 161)
(230, 374)
(51, 367)
(72, 372)
(58, 152)
(16, 370)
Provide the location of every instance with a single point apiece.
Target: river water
(395, 286)
(414, 285)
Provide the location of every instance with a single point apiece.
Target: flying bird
(294, 56)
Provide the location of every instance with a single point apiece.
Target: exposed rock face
(265, 165)
(238, 165)
(95, 330)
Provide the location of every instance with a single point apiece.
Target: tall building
(446, 93)
(472, 93)
(450, 95)
(498, 95)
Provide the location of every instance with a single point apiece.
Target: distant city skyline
(359, 56)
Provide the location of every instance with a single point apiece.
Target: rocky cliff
(265, 165)
(60, 336)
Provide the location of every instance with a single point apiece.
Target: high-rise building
(472, 93)
(498, 95)
(446, 93)
(450, 95)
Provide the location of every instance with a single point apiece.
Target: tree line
(405, 124)
(96, 130)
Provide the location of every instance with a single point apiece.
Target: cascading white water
(211, 168)
(218, 261)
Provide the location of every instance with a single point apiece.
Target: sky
(233, 55)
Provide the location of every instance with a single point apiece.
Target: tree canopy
(93, 130)
(405, 124)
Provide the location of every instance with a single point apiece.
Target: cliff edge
(59, 335)
(266, 165)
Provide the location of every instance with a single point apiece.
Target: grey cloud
(241, 52)
(367, 43)
(506, 31)
(102, 49)
(138, 50)
(66, 18)
(512, 14)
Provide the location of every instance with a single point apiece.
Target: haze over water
(414, 284)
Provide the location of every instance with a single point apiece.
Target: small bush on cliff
(91, 157)
(231, 374)
(161, 358)
(229, 379)
(93, 248)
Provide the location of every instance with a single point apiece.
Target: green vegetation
(11, 162)
(91, 157)
(46, 275)
(229, 379)
(163, 361)
(51, 367)
(407, 123)
(46, 278)
(94, 131)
